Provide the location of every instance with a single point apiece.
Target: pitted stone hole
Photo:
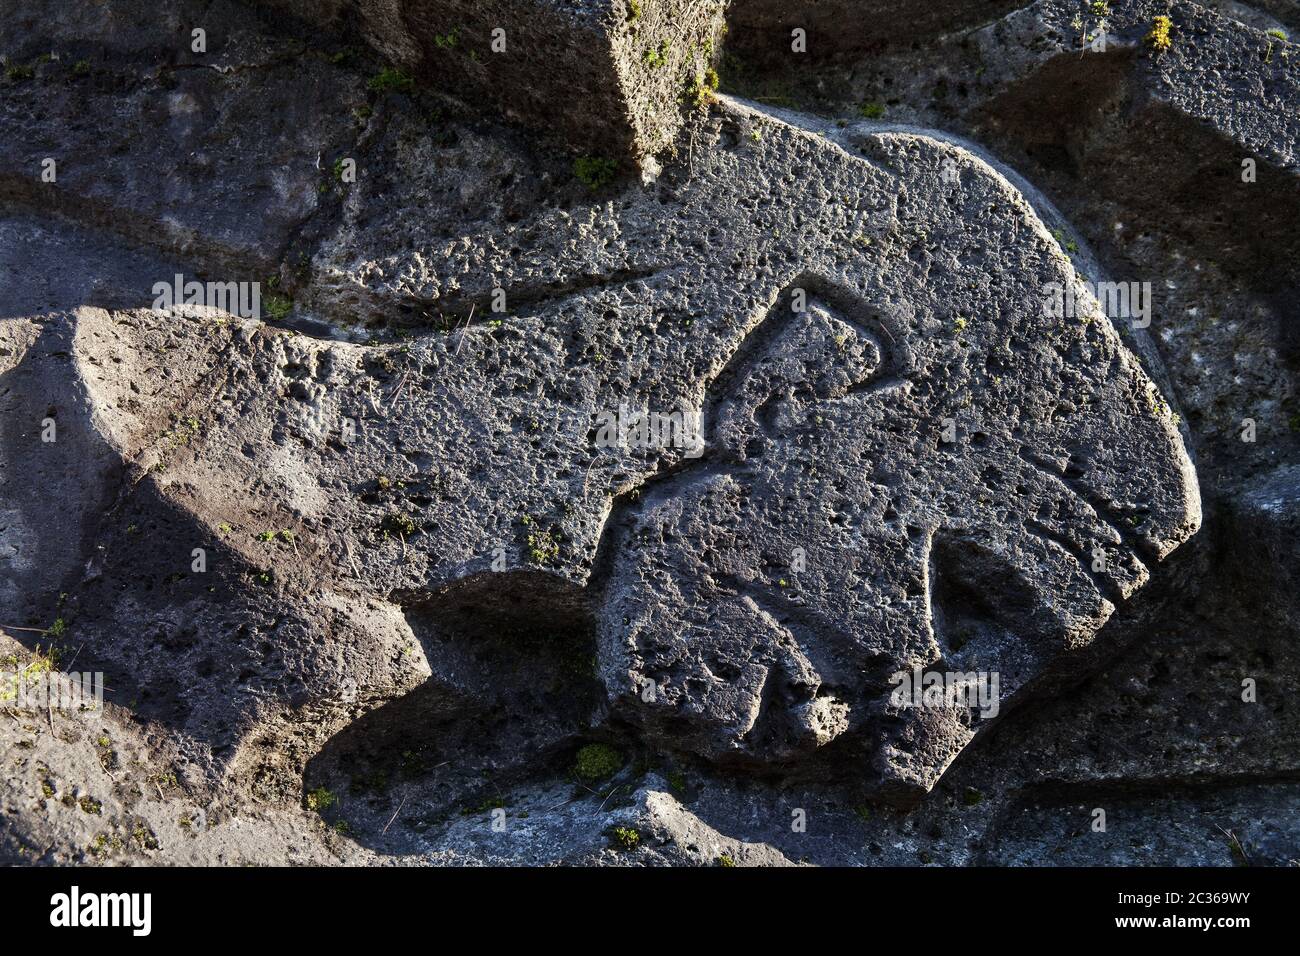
(513, 660)
(983, 614)
(525, 627)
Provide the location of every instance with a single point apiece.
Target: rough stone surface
(609, 78)
(168, 147)
(840, 30)
(1142, 152)
(431, 596)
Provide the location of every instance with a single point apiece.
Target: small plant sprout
(320, 800)
(391, 81)
(285, 536)
(596, 762)
(656, 57)
(624, 838)
(595, 172)
(399, 523)
(277, 307)
(700, 91)
(1159, 37)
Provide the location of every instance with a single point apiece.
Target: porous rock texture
(604, 77)
(826, 31)
(367, 584)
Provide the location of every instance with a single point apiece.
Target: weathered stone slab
(610, 78)
(215, 155)
(831, 312)
(817, 32)
(415, 550)
(720, 629)
(1176, 167)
